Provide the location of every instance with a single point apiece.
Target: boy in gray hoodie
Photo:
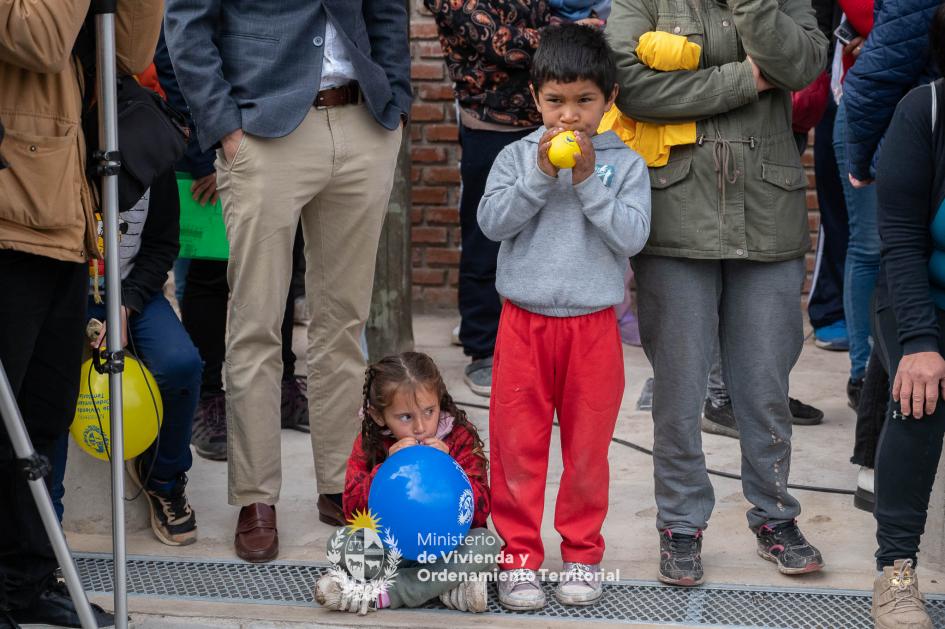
(566, 235)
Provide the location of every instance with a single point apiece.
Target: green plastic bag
(202, 233)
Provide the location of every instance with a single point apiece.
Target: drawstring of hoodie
(723, 154)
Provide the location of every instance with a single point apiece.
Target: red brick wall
(435, 157)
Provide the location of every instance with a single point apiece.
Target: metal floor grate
(288, 583)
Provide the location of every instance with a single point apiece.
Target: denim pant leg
(862, 264)
(756, 364)
(679, 304)
(158, 338)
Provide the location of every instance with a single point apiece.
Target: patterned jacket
(488, 45)
(462, 447)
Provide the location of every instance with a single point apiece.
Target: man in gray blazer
(305, 102)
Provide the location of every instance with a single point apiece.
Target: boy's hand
(544, 144)
(97, 342)
(406, 442)
(585, 161)
(436, 443)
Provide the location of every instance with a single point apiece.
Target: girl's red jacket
(462, 447)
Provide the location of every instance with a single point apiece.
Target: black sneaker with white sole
(785, 545)
(719, 420)
(172, 519)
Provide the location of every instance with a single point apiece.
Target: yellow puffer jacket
(665, 52)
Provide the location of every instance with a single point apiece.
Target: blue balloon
(423, 499)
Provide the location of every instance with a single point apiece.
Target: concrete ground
(821, 458)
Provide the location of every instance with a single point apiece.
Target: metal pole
(110, 162)
(36, 467)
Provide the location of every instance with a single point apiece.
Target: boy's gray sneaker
(468, 596)
(520, 590)
(478, 376)
(582, 584)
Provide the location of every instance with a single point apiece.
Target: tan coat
(46, 207)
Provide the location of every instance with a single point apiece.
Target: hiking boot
(582, 584)
(172, 519)
(295, 404)
(897, 601)
(209, 429)
(833, 337)
(54, 608)
(804, 414)
(785, 545)
(864, 498)
(478, 376)
(331, 592)
(520, 590)
(854, 389)
(681, 559)
(719, 420)
(468, 596)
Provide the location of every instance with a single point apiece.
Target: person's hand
(596, 22)
(761, 83)
(230, 143)
(97, 343)
(204, 190)
(855, 47)
(859, 183)
(585, 161)
(433, 442)
(918, 383)
(406, 442)
(544, 145)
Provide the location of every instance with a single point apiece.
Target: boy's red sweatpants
(542, 365)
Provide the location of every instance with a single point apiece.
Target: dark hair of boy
(574, 52)
(937, 39)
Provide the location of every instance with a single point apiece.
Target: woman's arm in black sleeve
(904, 187)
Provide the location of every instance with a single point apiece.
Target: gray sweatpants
(753, 310)
(416, 583)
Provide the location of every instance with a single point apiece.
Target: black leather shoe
(54, 607)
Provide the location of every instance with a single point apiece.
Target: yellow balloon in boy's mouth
(563, 148)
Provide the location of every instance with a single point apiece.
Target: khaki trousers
(335, 171)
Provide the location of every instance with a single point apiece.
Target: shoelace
(175, 505)
(788, 535)
(685, 545)
(579, 572)
(522, 575)
(903, 580)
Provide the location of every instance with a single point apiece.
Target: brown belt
(348, 94)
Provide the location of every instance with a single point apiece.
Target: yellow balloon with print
(563, 148)
(141, 401)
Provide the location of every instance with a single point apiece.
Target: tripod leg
(36, 468)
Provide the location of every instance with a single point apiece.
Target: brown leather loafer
(257, 539)
(329, 512)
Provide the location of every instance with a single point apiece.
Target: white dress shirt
(336, 65)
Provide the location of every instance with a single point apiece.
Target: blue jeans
(862, 264)
(157, 337)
